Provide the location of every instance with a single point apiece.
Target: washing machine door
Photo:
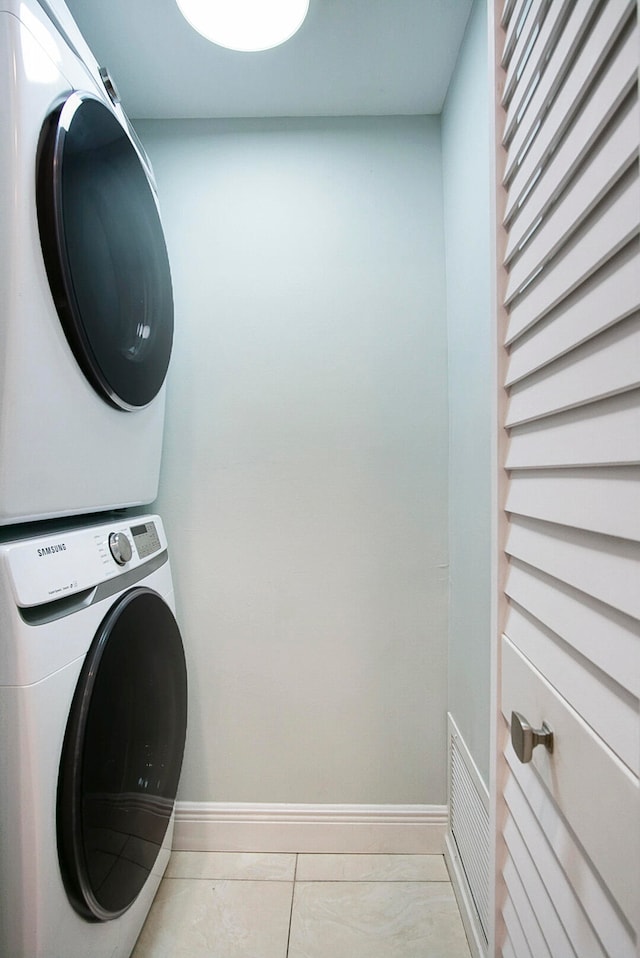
(122, 756)
(104, 251)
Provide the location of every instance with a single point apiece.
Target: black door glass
(122, 756)
(104, 251)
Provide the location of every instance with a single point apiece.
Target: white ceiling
(351, 57)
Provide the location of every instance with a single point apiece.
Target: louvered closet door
(568, 852)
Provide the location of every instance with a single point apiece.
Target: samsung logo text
(50, 550)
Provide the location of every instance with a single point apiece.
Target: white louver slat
(604, 568)
(568, 228)
(594, 370)
(545, 116)
(556, 936)
(530, 29)
(513, 27)
(569, 887)
(603, 301)
(541, 137)
(595, 180)
(609, 228)
(507, 10)
(614, 84)
(606, 638)
(604, 434)
(522, 77)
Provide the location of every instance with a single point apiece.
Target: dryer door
(104, 251)
(122, 755)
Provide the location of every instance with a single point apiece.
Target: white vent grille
(469, 824)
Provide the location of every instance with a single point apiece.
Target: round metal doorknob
(524, 738)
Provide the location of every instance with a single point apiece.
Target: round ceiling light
(246, 25)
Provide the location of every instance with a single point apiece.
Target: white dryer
(93, 697)
(87, 304)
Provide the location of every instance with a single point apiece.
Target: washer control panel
(50, 567)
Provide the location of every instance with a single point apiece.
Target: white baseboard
(345, 829)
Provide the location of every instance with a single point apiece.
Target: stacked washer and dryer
(93, 686)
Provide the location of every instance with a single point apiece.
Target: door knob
(524, 738)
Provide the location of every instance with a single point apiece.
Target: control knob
(120, 547)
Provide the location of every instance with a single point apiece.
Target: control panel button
(120, 547)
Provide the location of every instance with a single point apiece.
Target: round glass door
(122, 756)
(104, 251)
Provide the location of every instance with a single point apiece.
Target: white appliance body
(62, 597)
(70, 443)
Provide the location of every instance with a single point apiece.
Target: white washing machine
(93, 697)
(87, 304)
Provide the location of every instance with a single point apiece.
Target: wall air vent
(469, 828)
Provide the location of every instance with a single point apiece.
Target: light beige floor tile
(371, 868)
(195, 918)
(376, 920)
(230, 865)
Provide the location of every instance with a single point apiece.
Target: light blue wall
(304, 479)
(466, 157)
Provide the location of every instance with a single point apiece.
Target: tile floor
(220, 905)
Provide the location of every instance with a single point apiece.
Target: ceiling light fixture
(246, 25)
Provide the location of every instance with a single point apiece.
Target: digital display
(146, 539)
